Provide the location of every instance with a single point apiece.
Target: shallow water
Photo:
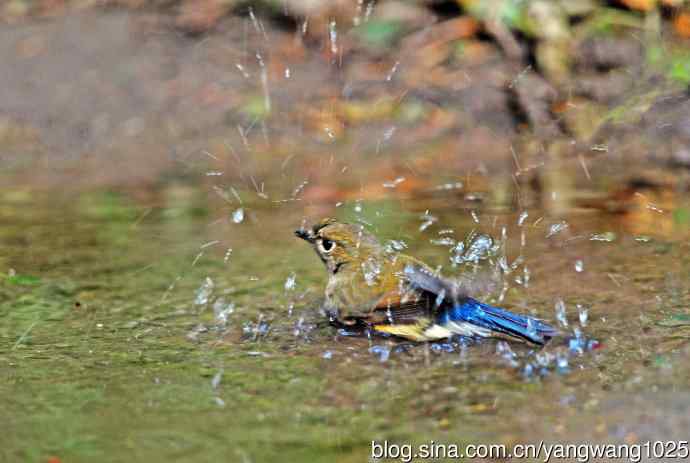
(113, 345)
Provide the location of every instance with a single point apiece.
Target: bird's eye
(327, 245)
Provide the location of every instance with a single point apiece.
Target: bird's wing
(441, 289)
(406, 308)
(408, 311)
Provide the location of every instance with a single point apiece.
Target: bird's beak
(304, 234)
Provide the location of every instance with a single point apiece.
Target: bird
(374, 287)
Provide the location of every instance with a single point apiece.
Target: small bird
(388, 292)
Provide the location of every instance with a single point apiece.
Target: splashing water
(238, 215)
(579, 266)
(480, 247)
(445, 241)
(222, 310)
(562, 363)
(557, 228)
(291, 282)
(371, 269)
(560, 313)
(522, 218)
(504, 351)
(393, 246)
(607, 237)
(333, 34)
(583, 314)
(428, 220)
(217, 378)
(255, 331)
(204, 292)
(577, 344)
(382, 352)
(394, 183)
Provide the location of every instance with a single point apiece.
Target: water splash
(217, 378)
(382, 352)
(504, 351)
(204, 292)
(560, 313)
(607, 237)
(445, 241)
(393, 246)
(394, 183)
(222, 310)
(562, 361)
(583, 314)
(557, 228)
(291, 282)
(579, 266)
(371, 269)
(238, 215)
(480, 247)
(428, 220)
(521, 219)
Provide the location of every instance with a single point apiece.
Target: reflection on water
(163, 330)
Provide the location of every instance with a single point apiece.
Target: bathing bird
(374, 287)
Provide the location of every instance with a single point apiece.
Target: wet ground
(155, 304)
(131, 332)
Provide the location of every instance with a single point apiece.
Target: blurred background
(155, 157)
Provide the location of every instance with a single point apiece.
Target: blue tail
(498, 321)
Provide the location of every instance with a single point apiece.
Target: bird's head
(340, 245)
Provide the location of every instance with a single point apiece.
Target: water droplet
(606, 237)
(333, 33)
(428, 220)
(238, 215)
(393, 246)
(528, 371)
(577, 344)
(220, 402)
(215, 382)
(204, 292)
(583, 313)
(579, 266)
(562, 362)
(557, 228)
(290, 282)
(327, 355)
(382, 352)
(522, 218)
(504, 351)
(371, 269)
(445, 241)
(479, 248)
(560, 313)
(222, 310)
(394, 183)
